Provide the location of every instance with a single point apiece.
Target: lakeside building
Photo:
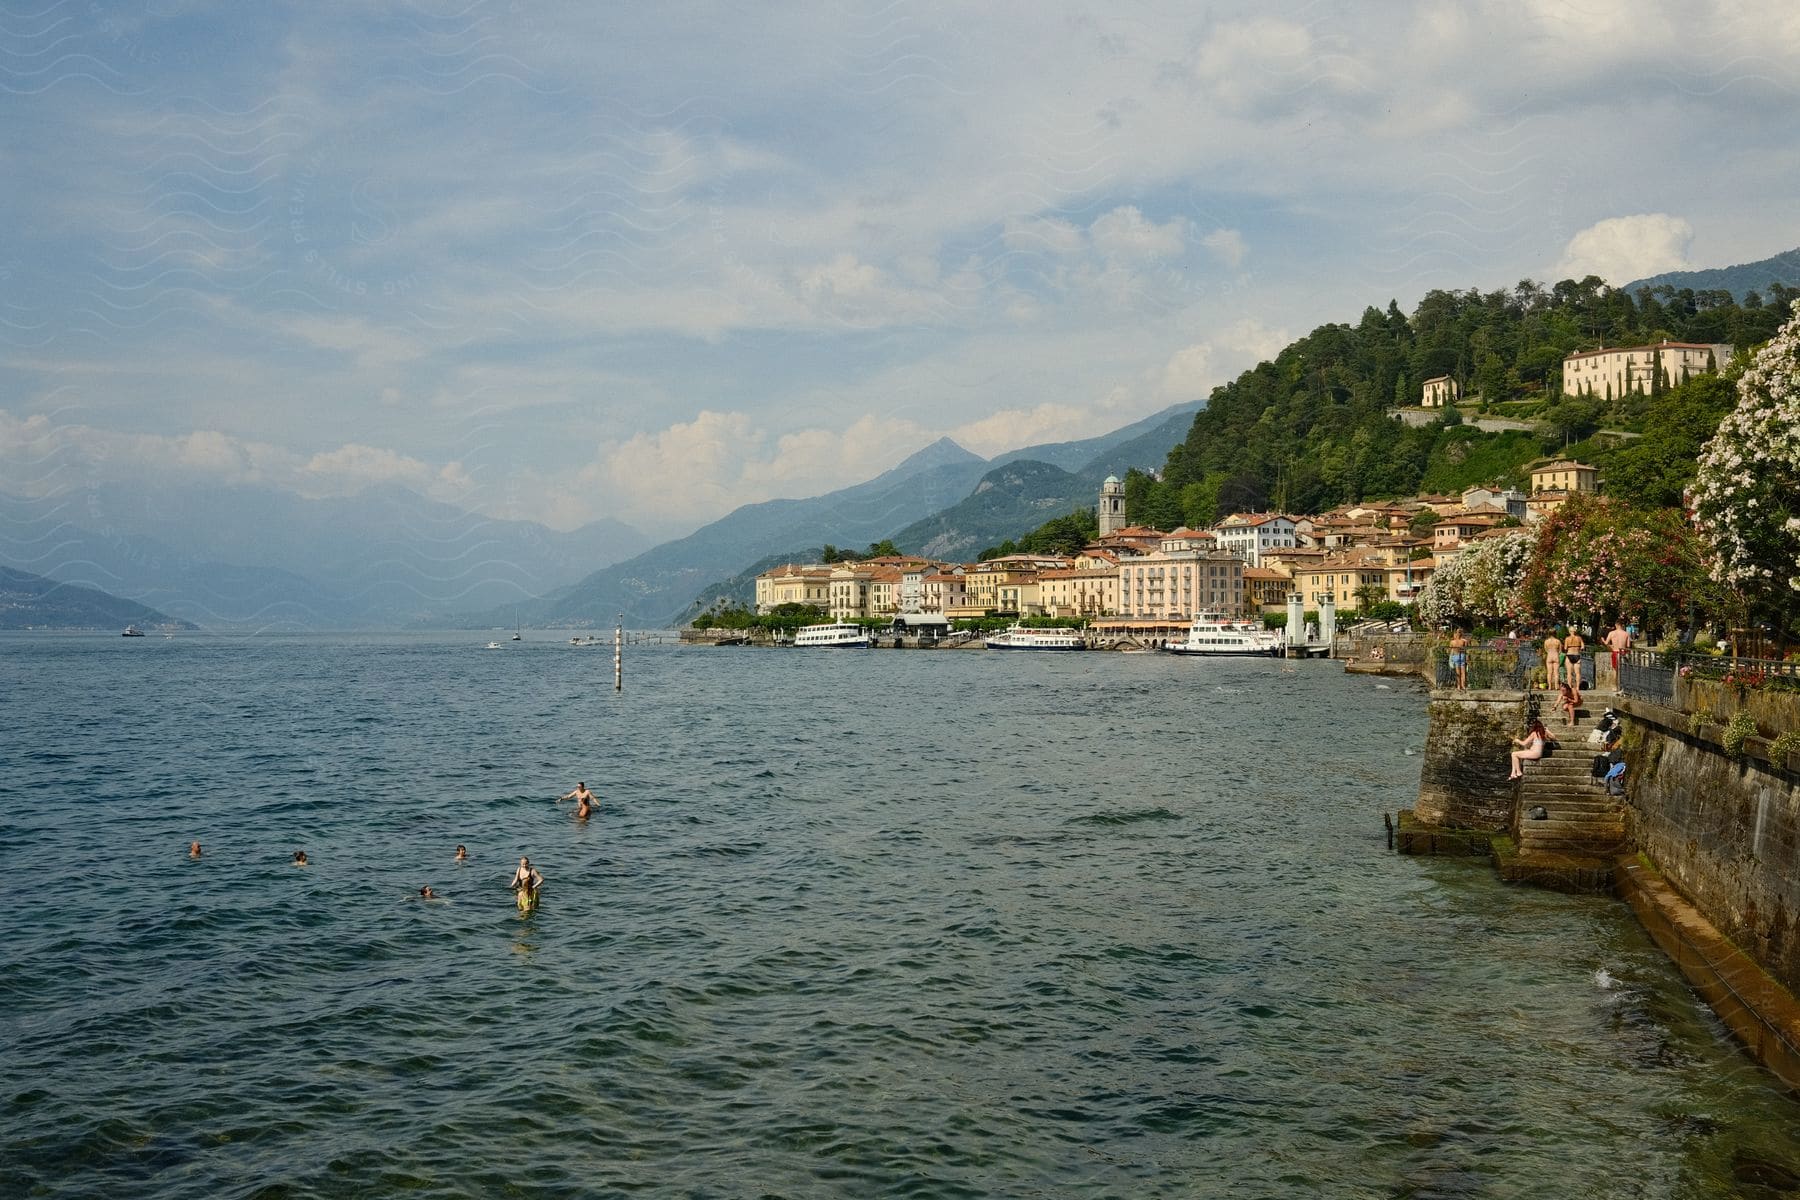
(793, 584)
(1439, 391)
(1132, 539)
(943, 590)
(1266, 588)
(1080, 591)
(1622, 369)
(1347, 578)
(1545, 501)
(1567, 475)
(1508, 501)
(1176, 584)
(1449, 535)
(1248, 535)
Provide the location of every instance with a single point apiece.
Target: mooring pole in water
(619, 655)
(1388, 820)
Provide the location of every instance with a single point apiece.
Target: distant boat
(1021, 637)
(1214, 633)
(519, 633)
(839, 635)
(493, 645)
(132, 631)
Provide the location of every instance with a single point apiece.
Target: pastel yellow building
(1437, 392)
(1178, 584)
(1080, 591)
(1567, 475)
(793, 584)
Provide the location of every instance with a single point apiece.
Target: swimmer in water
(193, 849)
(299, 858)
(580, 795)
(462, 854)
(425, 893)
(526, 881)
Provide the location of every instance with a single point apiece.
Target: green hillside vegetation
(29, 601)
(1059, 535)
(1766, 277)
(1310, 429)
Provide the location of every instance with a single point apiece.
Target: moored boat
(1021, 637)
(1215, 633)
(132, 631)
(835, 635)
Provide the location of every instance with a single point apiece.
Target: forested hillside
(1311, 429)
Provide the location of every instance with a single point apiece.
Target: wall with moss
(1723, 829)
(1462, 782)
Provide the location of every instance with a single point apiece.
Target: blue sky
(566, 261)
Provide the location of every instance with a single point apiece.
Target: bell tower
(1112, 506)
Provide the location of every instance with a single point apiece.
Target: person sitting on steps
(1530, 748)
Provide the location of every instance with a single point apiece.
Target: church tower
(1112, 506)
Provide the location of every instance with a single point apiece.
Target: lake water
(846, 924)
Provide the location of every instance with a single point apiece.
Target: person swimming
(425, 893)
(300, 858)
(525, 882)
(462, 853)
(193, 849)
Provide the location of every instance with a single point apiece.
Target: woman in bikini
(1530, 748)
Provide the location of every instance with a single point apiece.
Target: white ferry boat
(1019, 637)
(841, 634)
(1215, 633)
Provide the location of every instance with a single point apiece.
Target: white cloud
(1011, 428)
(1193, 371)
(694, 471)
(1228, 246)
(353, 466)
(1621, 249)
(1189, 372)
(1042, 234)
(1125, 233)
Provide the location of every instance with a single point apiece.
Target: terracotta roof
(1563, 464)
(1639, 349)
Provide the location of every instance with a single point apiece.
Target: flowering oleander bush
(1746, 496)
(1477, 585)
(1595, 556)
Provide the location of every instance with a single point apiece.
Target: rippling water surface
(846, 924)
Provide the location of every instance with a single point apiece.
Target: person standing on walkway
(1459, 658)
(1618, 640)
(1553, 658)
(1573, 645)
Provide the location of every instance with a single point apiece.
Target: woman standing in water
(525, 882)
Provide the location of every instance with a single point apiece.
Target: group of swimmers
(526, 879)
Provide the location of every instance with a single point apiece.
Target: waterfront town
(1149, 584)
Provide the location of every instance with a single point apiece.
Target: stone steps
(1584, 821)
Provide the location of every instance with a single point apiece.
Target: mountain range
(30, 601)
(1783, 268)
(251, 557)
(943, 500)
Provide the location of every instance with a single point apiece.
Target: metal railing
(1487, 670)
(1652, 675)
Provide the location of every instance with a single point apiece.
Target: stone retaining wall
(1462, 782)
(1723, 830)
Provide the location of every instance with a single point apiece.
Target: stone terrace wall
(1724, 831)
(1462, 781)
